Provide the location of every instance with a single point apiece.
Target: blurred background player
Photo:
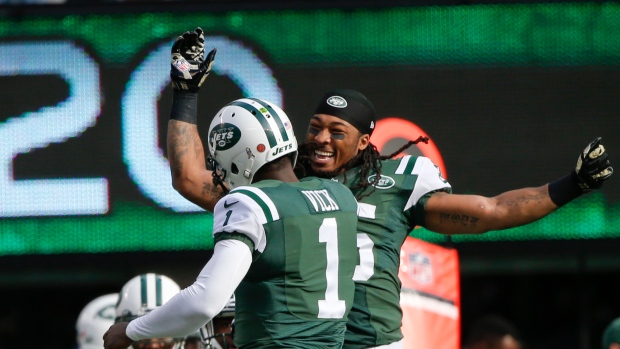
(493, 332)
(96, 317)
(141, 295)
(611, 335)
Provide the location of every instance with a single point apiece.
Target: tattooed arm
(190, 176)
(475, 214)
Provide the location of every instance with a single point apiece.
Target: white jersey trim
(272, 207)
(366, 210)
(429, 179)
(402, 165)
(247, 218)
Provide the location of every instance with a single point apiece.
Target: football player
(286, 247)
(94, 319)
(140, 296)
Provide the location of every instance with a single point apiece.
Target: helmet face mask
(218, 333)
(218, 171)
(245, 135)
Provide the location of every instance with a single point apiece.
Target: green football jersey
(299, 289)
(386, 218)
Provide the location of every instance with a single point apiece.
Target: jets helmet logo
(108, 312)
(224, 136)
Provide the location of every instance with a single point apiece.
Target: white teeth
(323, 153)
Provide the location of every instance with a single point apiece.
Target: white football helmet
(245, 135)
(142, 294)
(210, 333)
(94, 320)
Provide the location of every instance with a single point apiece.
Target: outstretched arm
(188, 70)
(474, 214)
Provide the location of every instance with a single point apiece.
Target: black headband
(350, 106)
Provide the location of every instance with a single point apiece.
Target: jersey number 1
(331, 307)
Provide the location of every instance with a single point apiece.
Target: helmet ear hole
(234, 169)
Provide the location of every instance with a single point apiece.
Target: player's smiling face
(336, 141)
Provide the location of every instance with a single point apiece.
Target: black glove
(593, 166)
(188, 66)
(591, 171)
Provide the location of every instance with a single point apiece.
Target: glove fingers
(211, 55)
(596, 165)
(178, 43)
(593, 145)
(188, 42)
(194, 50)
(603, 175)
(599, 169)
(596, 152)
(596, 160)
(200, 38)
(209, 60)
(189, 67)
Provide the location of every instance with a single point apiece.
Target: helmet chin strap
(248, 168)
(209, 338)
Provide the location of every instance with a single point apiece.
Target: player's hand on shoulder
(188, 65)
(116, 337)
(593, 166)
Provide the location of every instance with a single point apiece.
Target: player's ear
(363, 142)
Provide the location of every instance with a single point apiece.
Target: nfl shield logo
(420, 268)
(182, 65)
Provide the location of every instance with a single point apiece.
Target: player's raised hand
(593, 166)
(188, 65)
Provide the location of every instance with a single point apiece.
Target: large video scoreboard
(508, 94)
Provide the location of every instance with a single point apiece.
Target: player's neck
(285, 174)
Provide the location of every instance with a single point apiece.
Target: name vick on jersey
(320, 200)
